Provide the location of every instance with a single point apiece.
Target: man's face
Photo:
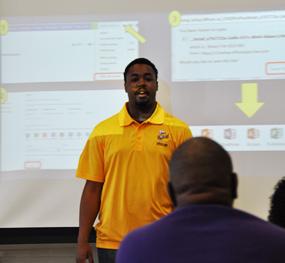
(141, 85)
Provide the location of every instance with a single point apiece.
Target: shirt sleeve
(184, 134)
(91, 161)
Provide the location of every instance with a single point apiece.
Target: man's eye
(134, 79)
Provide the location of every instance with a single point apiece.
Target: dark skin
(89, 208)
(141, 85)
(201, 173)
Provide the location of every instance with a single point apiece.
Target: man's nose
(141, 82)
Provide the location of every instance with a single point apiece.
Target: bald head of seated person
(204, 227)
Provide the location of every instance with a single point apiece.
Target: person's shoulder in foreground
(204, 227)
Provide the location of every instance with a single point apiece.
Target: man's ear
(125, 87)
(172, 194)
(234, 185)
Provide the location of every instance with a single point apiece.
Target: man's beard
(143, 104)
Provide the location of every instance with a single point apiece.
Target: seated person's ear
(234, 185)
(172, 194)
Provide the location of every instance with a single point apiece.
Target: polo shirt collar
(156, 118)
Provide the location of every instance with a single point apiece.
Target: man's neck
(141, 113)
(218, 198)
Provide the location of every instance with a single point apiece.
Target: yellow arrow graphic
(135, 34)
(249, 104)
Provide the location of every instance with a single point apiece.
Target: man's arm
(89, 208)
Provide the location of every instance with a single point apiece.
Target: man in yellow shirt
(125, 165)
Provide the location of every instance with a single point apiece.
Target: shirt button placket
(139, 138)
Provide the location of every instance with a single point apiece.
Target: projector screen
(221, 69)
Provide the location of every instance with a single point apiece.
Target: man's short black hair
(277, 205)
(140, 61)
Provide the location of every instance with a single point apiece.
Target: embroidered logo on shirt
(162, 138)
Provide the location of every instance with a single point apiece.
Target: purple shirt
(205, 234)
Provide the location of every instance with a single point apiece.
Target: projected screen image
(222, 46)
(232, 63)
(48, 129)
(223, 73)
(58, 52)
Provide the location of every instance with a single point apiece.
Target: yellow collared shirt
(131, 159)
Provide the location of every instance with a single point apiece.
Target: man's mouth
(141, 93)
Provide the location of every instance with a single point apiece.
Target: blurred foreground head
(201, 172)
(277, 204)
